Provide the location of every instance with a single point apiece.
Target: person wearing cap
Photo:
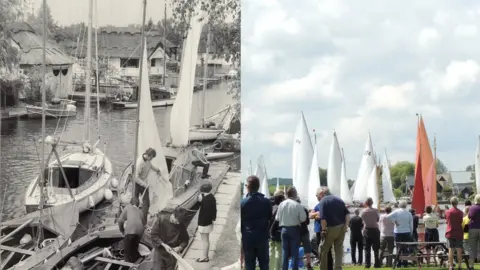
(206, 216)
(143, 168)
(199, 160)
(131, 225)
(171, 231)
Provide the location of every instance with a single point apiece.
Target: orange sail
(429, 175)
(418, 200)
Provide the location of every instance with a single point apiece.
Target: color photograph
(358, 147)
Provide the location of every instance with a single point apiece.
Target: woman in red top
(454, 232)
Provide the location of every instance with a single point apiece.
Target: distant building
(462, 183)
(59, 64)
(120, 47)
(441, 183)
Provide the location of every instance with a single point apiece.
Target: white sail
(260, 169)
(334, 169)
(345, 193)
(372, 188)
(302, 160)
(313, 181)
(387, 189)
(477, 167)
(160, 190)
(366, 166)
(264, 187)
(182, 107)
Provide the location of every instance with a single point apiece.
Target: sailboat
(314, 179)
(264, 189)
(477, 166)
(81, 176)
(92, 249)
(180, 134)
(204, 132)
(30, 240)
(302, 159)
(334, 169)
(364, 178)
(428, 161)
(372, 187)
(345, 193)
(387, 190)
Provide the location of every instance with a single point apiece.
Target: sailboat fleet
(82, 178)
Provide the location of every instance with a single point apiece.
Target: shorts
(431, 235)
(455, 243)
(305, 240)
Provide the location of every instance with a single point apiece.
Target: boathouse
(59, 64)
(120, 48)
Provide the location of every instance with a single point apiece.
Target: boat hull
(36, 112)
(93, 191)
(121, 105)
(204, 134)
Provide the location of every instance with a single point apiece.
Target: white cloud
(428, 36)
(358, 66)
(465, 30)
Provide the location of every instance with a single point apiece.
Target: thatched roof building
(31, 47)
(121, 42)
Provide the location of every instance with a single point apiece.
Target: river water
(20, 148)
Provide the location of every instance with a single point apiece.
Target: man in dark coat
(172, 231)
(256, 212)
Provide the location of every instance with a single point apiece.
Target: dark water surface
(20, 148)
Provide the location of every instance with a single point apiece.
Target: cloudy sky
(356, 66)
(114, 12)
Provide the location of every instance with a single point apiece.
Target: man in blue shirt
(317, 228)
(255, 214)
(334, 218)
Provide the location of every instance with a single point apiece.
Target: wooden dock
(227, 190)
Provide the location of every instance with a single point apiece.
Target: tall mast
(44, 97)
(165, 45)
(98, 71)
(139, 96)
(205, 70)
(88, 71)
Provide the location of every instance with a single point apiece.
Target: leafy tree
(323, 176)
(350, 183)
(440, 167)
(9, 12)
(36, 22)
(471, 168)
(400, 171)
(34, 84)
(398, 193)
(150, 25)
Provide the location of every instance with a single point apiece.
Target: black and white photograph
(120, 134)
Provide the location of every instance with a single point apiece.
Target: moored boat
(57, 108)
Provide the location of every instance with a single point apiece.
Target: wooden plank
(122, 263)
(108, 266)
(92, 255)
(18, 250)
(5, 238)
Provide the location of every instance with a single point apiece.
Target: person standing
(356, 237)
(371, 233)
(143, 168)
(132, 230)
(317, 228)
(206, 216)
(334, 217)
(290, 215)
(387, 236)
(305, 240)
(171, 231)
(416, 220)
(403, 229)
(474, 229)
(430, 220)
(255, 213)
(454, 232)
(276, 239)
(199, 159)
(465, 228)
